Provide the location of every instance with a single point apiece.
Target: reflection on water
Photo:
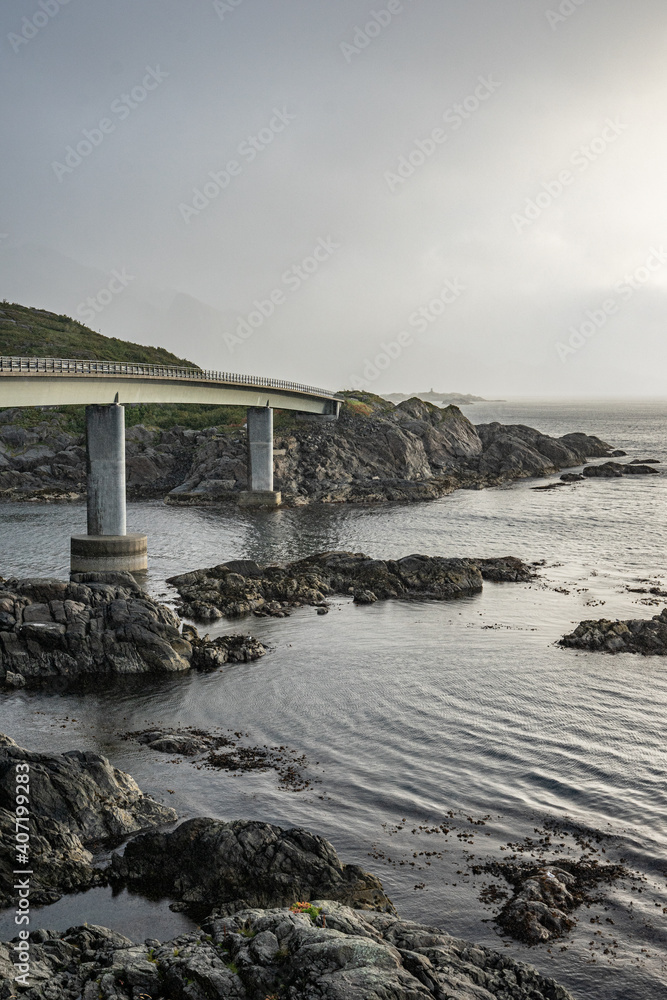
(129, 914)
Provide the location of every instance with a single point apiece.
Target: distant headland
(455, 398)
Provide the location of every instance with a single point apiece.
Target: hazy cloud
(478, 107)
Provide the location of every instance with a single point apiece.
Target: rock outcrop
(228, 751)
(647, 636)
(99, 625)
(76, 800)
(208, 865)
(612, 470)
(376, 451)
(276, 952)
(241, 586)
(546, 896)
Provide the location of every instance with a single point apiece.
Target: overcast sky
(460, 194)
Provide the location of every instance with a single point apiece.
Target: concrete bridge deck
(59, 381)
(104, 387)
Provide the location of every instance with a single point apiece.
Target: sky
(466, 195)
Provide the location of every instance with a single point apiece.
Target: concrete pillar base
(97, 553)
(260, 498)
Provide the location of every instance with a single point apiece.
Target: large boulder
(208, 864)
(515, 451)
(607, 470)
(76, 800)
(99, 625)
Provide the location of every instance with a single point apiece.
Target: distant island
(455, 398)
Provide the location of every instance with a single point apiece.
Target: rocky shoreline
(281, 915)
(242, 586)
(278, 952)
(375, 452)
(100, 625)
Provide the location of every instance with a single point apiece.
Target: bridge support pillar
(107, 546)
(260, 460)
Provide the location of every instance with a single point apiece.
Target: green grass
(365, 403)
(36, 333)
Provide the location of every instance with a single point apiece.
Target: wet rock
(77, 800)
(546, 896)
(539, 909)
(364, 597)
(640, 635)
(99, 625)
(505, 569)
(209, 654)
(571, 477)
(239, 587)
(228, 751)
(210, 865)
(258, 953)
(608, 470)
(637, 469)
(611, 470)
(644, 461)
(187, 743)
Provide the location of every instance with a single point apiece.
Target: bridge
(104, 387)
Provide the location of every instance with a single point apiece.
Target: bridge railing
(65, 366)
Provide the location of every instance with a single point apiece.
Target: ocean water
(414, 714)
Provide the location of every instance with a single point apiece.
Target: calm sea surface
(410, 711)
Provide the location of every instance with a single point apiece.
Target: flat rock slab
(647, 636)
(76, 800)
(261, 953)
(242, 586)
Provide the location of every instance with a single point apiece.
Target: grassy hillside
(33, 333)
